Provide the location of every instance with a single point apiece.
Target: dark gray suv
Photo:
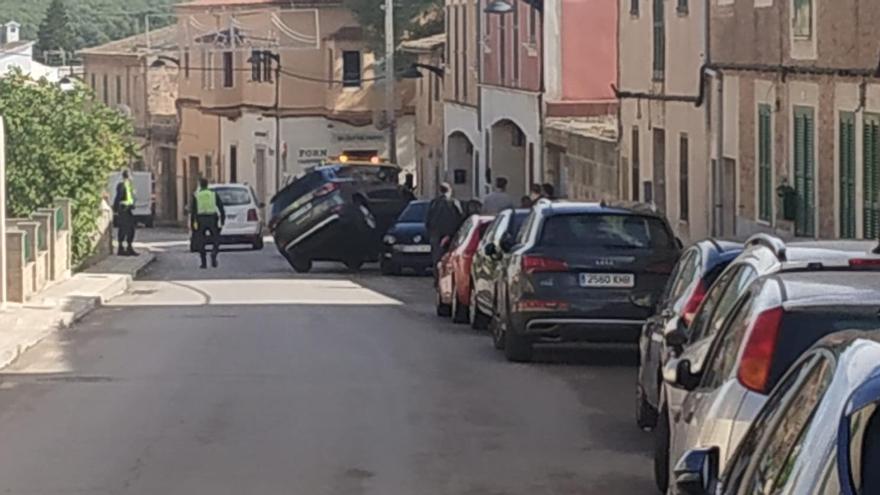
(582, 272)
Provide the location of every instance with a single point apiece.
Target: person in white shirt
(498, 200)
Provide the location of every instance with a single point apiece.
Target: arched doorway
(508, 156)
(460, 165)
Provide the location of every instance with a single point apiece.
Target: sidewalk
(61, 305)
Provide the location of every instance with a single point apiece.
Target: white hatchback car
(244, 218)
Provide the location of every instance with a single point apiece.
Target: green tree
(412, 19)
(55, 32)
(61, 144)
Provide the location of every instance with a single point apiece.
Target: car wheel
(646, 415)
(661, 451)
(517, 348)
(149, 222)
(478, 319)
(443, 310)
(459, 311)
(354, 264)
(300, 265)
(258, 243)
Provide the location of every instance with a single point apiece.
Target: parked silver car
(775, 320)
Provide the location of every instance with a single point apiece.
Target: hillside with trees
(92, 22)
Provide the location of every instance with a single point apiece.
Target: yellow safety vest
(206, 202)
(128, 199)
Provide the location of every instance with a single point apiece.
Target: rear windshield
(233, 196)
(801, 329)
(296, 189)
(607, 231)
(366, 173)
(516, 222)
(414, 213)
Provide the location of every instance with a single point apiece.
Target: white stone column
(3, 274)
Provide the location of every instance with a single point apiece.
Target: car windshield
(234, 196)
(607, 231)
(414, 213)
(366, 173)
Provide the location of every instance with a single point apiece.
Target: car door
(483, 264)
(707, 410)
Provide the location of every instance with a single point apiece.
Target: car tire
(478, 319)
(258, 244)
(300, 265)
(389, 268)
(460, 312)
(661, 451)
(149, 222)
(517, 348)
(443, 310)
(646, 415)
(354, 264)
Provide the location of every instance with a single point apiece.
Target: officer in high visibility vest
(207, 217)
(123, 206)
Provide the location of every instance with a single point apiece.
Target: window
(119, 90)
(683, 179)
(464, 53)
(533, 26)
(351, 69)
(686, 273)
(784, 445)
(502, 50)
(701, 328)
(256, 65)
(459, 70)
(871, 176)
(659, 41)
(682, 7)
(228, 70)
(802, 22)
(186, 64)
(636, 159)
(233, 163)
(106, 90)
(209, 167)
(864, 427)
(431, 82)
(722, 358)
(847, 182)
(765, 164)
(516, 47)
(93, 83)
(607, 231)
(634, 8)
(267, 66)
(805, 171)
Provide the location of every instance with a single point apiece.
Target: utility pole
(390, 90)
(277, 119)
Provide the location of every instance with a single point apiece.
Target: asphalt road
(250, 379)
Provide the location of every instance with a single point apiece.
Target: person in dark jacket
(445, 215)
(123, 207)
(207, 216)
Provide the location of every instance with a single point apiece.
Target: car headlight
(389, 239)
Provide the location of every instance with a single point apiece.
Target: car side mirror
(490, 249)
(697, 472)
(676, 337)
(677, 372)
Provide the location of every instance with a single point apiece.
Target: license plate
(608, 280)
(420, 248)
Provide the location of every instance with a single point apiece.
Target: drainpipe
(716, 175)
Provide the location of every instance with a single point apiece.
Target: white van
(144, 206)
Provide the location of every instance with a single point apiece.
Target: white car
(244, 217)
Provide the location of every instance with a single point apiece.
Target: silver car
(773, 322)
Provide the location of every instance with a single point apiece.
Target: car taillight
(252, 215)
(865, 263)
(535, 264)
(754, 367)
(326, 189)
(689, 311)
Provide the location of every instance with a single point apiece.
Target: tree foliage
(55, 31)
(61, 144)
(412, 19)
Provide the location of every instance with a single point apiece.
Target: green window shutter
(847, 181)
(871, 177)
(659, 41)
(804, 171)
(765, 164)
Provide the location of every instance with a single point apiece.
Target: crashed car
(337, 212)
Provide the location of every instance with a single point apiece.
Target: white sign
(310, 155)
(359, 137)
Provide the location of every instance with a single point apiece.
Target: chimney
(10, 32)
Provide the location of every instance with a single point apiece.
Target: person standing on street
(444, 217)
(207, 217)
(123, 207)
(536, 192)
(548, 191)
(498, 200)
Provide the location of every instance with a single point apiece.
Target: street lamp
(413, 72)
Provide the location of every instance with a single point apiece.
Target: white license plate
(608, 280)
(420, 248)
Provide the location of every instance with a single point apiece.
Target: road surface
(250, 379)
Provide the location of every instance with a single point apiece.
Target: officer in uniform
(207, 217)
(123, 206)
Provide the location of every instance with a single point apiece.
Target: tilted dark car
(485, 268)
(406, 244)
(582, 272)
(695, 272)
(817, 434)
(337, 212)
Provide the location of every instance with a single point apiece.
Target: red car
(454, 269)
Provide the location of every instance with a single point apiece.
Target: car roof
(721, 245)
(230, 185)
(564, 207)
(829, 287)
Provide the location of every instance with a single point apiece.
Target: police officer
(123, 206)
(207, 217)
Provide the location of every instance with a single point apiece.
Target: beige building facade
(664, 150)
